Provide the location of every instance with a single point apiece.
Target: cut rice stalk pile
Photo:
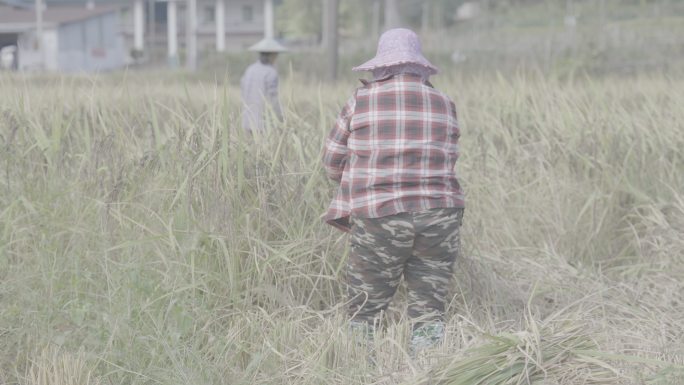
(545, 357)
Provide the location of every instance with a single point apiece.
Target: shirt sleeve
(336, 152)
(272, 94)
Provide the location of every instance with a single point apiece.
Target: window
(209, 14)
(247, 13)
(160, 13)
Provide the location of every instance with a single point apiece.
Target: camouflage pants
(421, 247)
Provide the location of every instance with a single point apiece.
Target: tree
(300, 18)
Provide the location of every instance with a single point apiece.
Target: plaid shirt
(393, 150)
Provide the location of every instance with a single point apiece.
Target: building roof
(31, 3)
(15, 19)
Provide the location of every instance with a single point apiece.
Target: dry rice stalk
(545, 357)
(55, 367)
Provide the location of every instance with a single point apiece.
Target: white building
(90, 35)
(222, 25)
(73, 38)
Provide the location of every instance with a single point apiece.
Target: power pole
(220, 21)
(332, 35)
(138, 28)
(324, 24)
(425, 18)
(375, 23)
(191, 36)
(39, 32)
(172, 32)
(392, 17)
(269, 19)
(151, 27)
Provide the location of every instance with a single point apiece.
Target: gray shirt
(259, 87)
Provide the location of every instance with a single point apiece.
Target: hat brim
(268, 45)
(388, 61)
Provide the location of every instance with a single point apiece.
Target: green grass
(144, 239)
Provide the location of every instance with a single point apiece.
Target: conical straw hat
(268, 45)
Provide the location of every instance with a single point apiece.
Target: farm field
(144, 239)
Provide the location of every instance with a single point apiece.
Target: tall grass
(145, 239)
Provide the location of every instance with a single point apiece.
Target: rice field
(144, 239)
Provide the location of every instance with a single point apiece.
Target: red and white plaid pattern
(393, 149)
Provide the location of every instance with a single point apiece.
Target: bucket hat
(268, 45)
(397, 46)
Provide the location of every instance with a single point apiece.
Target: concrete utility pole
(172, 32)
(392, 17)
(570, 24)
(375, 23)
(425, 18)
(191, 36)
(151, 28)
(324, 25)
(220, 21)
(269, 30)
(332, 34)
(138, 26)
(39, 33)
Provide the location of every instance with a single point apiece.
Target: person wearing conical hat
(259, 86)
(393, 150)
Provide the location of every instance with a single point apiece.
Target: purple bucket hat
(397, 46)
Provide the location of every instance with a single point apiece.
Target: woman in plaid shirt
(393, 151)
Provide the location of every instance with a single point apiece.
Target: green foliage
(300, 18)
